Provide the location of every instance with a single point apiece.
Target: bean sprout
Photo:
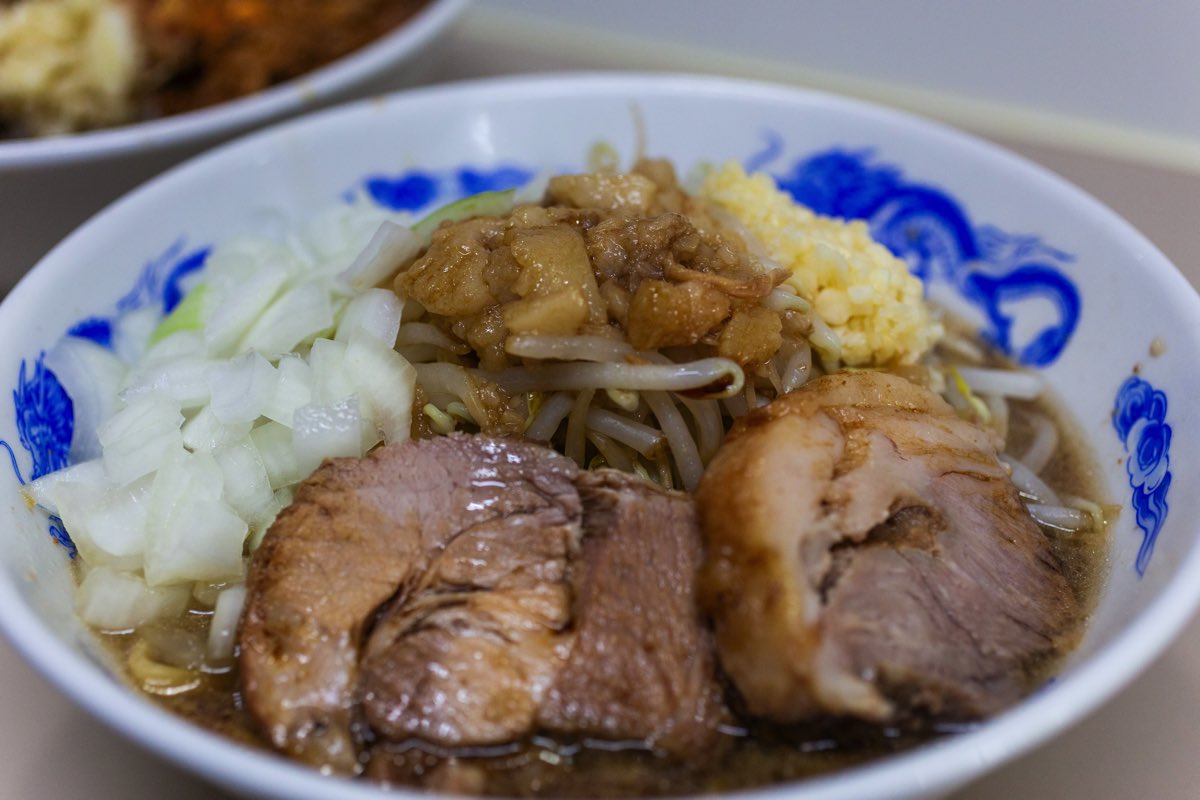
(549, 417)
(711, 377)
(679, 438)
(1045, 442)
(631, 433)
(567, 348)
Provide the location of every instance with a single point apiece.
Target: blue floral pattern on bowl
(417, 189)
(1140, 419)
(923, 224)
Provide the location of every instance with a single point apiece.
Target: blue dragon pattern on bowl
(1140, 420)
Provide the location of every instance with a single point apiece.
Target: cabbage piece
(484, 204)
(241, 388)
(187, 316)
(112, 600)
(375, 312)
(192, 534)
(138, 437)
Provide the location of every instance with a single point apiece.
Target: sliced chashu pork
(869, 556)
(367, 534)
(459, 592)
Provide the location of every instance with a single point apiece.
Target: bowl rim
(233, 116)
(934, 768)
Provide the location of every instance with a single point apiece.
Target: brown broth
(754, 756)
(1072, 471)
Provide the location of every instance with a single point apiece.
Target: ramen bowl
(49, 186)
(1039, 269)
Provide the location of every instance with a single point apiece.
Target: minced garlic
(866, 295)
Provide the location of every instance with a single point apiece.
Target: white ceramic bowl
(49, 186)
(1045, 270)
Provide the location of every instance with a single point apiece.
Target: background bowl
(49, 186)
(1046, 272)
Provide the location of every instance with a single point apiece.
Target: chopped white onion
(273, 442)
(241, 388)
(240, 307)
(294, 389)
(107, 524)
(193, 450)
(389, 249)
(332, 381)
(375, 312)
(131, 332)
(182, 379)
(386, 381)
(138, 437)
(175, 345)
(204, 433)
(91, 376)
(112, 600)
(228, 265)
(333, 238)
(247, 486)
(42, 490)
(321, 431)
(300, 314)
(192, 535)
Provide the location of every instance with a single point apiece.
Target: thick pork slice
(868, 556)
(642, 665)
(465, 592)
(463, 656)
(416, 528)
